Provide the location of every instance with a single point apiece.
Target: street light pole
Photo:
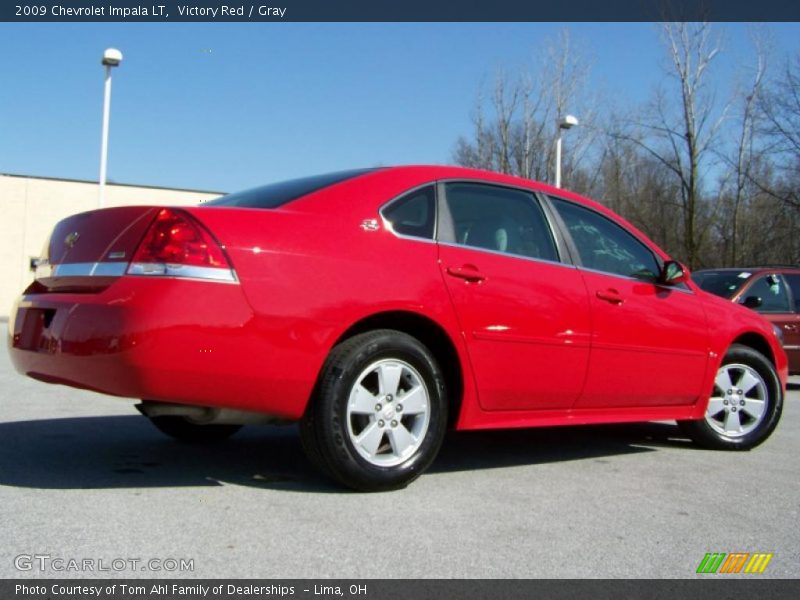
(558, 159)
(567, 122)
(111, 58)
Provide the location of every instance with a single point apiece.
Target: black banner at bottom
(713, 587)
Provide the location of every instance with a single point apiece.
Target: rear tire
(184, 430)
(379, 412)
(745, 404)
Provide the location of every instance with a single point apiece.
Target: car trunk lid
(88, 251)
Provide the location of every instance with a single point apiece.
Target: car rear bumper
(184, 341)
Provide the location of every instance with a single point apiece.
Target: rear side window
(413, 214)
(794, 285)
(605, 246)
(499, 219)
(278, 194)
(772, 292)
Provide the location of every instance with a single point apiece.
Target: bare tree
(742, 161)
(516, 133)
(638, 186)
(653, 163)
(680, 134)
(780, 105)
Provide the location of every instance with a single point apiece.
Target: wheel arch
(750, 345)
(433, 336)
(758, 343)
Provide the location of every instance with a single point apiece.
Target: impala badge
(71, 239)
(369, 224)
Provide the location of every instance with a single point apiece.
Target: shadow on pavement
(127, 452)
(467, 450)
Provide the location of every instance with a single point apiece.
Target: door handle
(610, 295)
(790, 327)
(469, 273)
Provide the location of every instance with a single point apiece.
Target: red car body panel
(309, 271)
(656, 332)
(532, 313)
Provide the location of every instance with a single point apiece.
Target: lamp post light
(566, 122)
(111, 58)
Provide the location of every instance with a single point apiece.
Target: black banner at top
(397, 10)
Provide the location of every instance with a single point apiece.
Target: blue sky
(229, 106)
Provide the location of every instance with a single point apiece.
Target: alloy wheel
(388, 412)
(739, 401)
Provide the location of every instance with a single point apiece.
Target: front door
(650, 342)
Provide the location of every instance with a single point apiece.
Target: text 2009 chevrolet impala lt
(378, 307)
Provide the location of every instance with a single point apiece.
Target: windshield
(274, 195)
(722, 283)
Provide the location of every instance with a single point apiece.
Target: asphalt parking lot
(84, 476)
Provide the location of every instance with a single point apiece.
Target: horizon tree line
(712, 179)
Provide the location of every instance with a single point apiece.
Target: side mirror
(673, 273)
(752, 302)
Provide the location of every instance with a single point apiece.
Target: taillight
(176, 245)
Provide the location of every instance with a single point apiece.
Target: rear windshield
(274, 195)
(721, 283)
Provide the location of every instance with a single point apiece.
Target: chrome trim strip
(664, 286)
(509, 255)
(118, 269)
(791, 347)
(75, 270)
(183, 271)
(109, 269)
(97, 269)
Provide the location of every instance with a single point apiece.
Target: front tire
(745, 405)
(379, 413)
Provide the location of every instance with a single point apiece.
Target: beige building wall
(31, 206)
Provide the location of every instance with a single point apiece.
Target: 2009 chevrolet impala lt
(378, 307)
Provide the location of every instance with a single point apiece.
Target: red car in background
(378, 307)
(773, 292)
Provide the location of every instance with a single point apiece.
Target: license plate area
(35, 331)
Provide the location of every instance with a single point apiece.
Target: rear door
(649, 342)
(523, 313)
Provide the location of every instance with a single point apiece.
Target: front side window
(413, 214)
(499, 219)
(605, 246)
(772, 292)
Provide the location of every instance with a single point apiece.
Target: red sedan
(380, 307)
